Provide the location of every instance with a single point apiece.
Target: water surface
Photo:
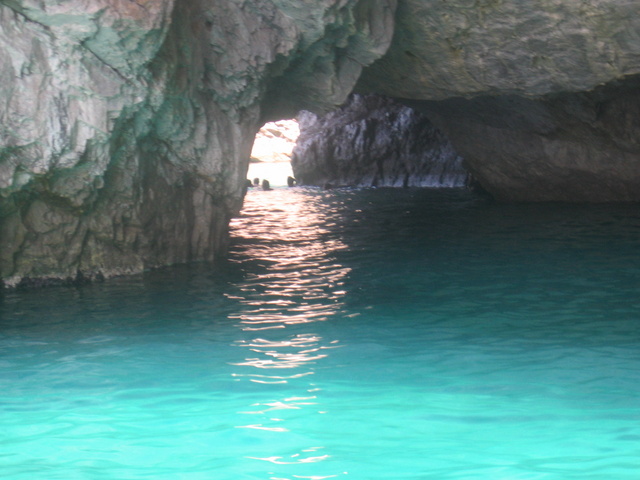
(362, 334)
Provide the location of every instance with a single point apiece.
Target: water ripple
(368, 334)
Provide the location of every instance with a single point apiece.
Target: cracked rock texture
(374, 141)
(126, 127)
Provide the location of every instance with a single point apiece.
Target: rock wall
(127, 126)
(374, 141)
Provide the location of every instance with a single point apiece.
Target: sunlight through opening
(271, 154)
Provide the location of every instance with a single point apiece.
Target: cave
(449, 290)
(127, 135)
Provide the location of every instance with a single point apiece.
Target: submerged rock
(374, 141)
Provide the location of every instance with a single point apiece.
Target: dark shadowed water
(372, 334)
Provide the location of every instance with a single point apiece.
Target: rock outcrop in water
(374, 141)
(126, 126)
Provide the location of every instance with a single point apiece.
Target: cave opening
(369, 141)
(270, 158)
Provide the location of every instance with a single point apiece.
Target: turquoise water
(374, 334)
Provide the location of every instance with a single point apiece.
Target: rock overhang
(467, 48)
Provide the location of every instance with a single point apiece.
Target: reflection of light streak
(308, 477)
(267, 382)
(262, 427)
(293, 280)
(315, 477)
(287, 404)
(287, 361)
(294, 342)
(289, 377)
(302, 281)
(279, 461)
(296, 459)
(259, 329)
(297, 399)
(308, 352)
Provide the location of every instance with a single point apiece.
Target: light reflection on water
(300, 283)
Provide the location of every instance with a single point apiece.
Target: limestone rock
(126, 127)
(374, 141)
